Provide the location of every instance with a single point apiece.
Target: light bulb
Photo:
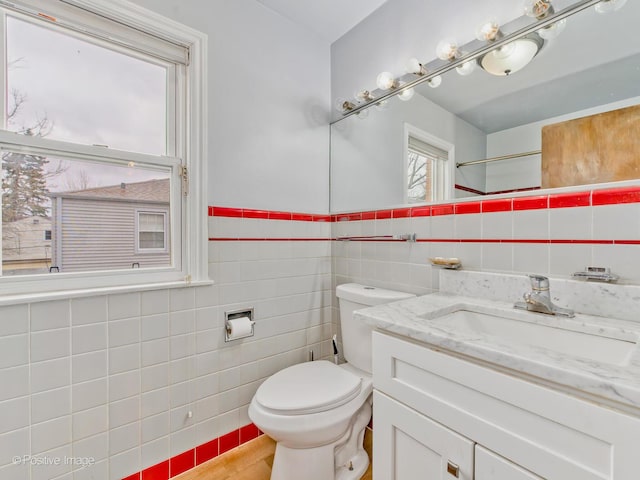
(383, 105)
(553, 30)
(343, 105)
(435, 81)
(538, 8)
(466, 68)
(406, 94)
(447, 50)
(362, 114)
(608, 6)
(363, 96)
(414, 66)
(488, 32)
(386, 81)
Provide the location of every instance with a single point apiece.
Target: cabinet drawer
(553, 434)
(489, 466)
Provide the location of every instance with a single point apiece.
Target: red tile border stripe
(184, 461)
(610, 196)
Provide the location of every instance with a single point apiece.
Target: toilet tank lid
(366, 295)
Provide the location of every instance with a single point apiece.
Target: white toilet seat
(317, 387)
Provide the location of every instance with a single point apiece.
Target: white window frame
(188, 209)
(445, 173)
(165, 243)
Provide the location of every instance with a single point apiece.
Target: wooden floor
(250, 461)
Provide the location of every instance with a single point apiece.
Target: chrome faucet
(539, 299)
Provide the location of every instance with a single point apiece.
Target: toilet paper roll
(239, 327)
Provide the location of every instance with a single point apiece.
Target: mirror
(406, 152)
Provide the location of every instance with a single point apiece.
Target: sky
(92, 95)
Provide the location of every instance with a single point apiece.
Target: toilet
(317, 411)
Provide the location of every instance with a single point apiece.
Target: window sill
(91, 292)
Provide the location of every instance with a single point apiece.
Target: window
(426, 171)
(152, 234)
(99, 132)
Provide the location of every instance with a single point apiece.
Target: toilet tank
(356, 335)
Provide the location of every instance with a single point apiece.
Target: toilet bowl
(317, 411)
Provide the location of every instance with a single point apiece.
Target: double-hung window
(103, 123)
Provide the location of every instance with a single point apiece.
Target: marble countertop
(615, 382)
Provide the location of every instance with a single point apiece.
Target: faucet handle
(539, 282)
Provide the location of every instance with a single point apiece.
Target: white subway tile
(155, 427)
(90, 422)
(124, 411)
(14, 320)
(49, 471)
(14, 381)
(154, 377)
(124, 359)
(616, 222)
(181, 370)
(565, 259)
(124, 464)
(89, 338)
(50, 404)
(181, 299)
(182, 346)
(443, 226)
(15, 350)
(155, 327)
(124, 438)
(124, 385)
(88, 310)
(183, 440)
(89, 366)
(50, 374)
(99, 470)
(90, 394)
(470, 254)
(124, 332)
(207, 318)
(570, 223)
(623, 260)
(207, 408)
(155, 351)
(208, 385)
(123, 305)
(50, 315)
(52, 434)
(531, 258)
(16, 471)
(153, 302)
(182, 322)
(13, 444)
(155, 451)
(154, 402)
(179, 419)
(497, 256)
(531, 224)
(497, 225)
(15, 414)
(96, 447)
(468, 226)
(49, 345)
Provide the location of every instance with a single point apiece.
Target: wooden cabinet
(431, 408)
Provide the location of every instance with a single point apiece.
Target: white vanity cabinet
(437, 415)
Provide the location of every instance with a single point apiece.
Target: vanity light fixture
(538, 8)
(344, 106)
(467, 68)
(447, 50)
(386, 81)
(513, 56)
(553, 30)
(406, 94)
(489, 31)
(435, 81)
(414, 66)
(608, 6)
(364, 96)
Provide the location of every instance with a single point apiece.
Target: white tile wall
(114, 377)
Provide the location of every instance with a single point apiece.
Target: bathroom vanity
(468, 387)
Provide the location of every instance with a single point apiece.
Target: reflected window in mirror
(426, 167)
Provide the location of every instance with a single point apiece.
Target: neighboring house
(26, 246)
(113, 227)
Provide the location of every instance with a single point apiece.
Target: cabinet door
(490, 466)
(410, 446)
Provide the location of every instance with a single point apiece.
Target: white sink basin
(567, 337)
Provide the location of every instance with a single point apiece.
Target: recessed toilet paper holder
(234, 315)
